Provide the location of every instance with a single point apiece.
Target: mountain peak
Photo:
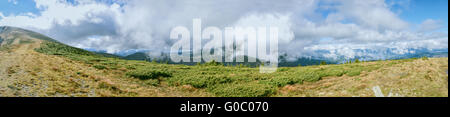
(13, 35)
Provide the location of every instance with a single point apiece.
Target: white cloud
(351, 50)
(281, 21)
(430, 25)
(371, 14)
(59, 12)
(145, 24)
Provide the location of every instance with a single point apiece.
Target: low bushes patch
(148, 74)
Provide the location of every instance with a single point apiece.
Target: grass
(209, 79)
(5, 48)
(201, 81)
(243, 90)
(212, 76)
(402, 78)
(54, 48)
(100, 67)
(22, 41)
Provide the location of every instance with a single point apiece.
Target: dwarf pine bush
(201, 81)
(243, 90)
(147, 74)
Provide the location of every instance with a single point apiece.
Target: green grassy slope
(217, 79)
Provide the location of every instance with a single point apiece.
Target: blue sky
(339, 26)
(420, 10)
(415, 11)
(22, 6)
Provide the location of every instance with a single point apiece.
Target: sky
(342, 28)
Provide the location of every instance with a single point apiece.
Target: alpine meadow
(34, 65)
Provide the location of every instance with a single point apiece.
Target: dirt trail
(27, 73)
(12, 61)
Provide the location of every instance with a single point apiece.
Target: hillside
(137, 56)
(33, 65)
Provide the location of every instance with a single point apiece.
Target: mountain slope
(43, 68)
(35, 67)
(137, 56)
(13, 35)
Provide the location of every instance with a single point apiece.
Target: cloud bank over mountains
(340, 27)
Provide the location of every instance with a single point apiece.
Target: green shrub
(310, 77)
(4, 48)
(148, 74)
(354, 72)
(100, 67)
(282, 81)
(331, 71)
(213, 63)
(282, 69)
(26, 41)
(201, 81)
(54, 48)
(243, 90)
(130, 67)
(357, 61)
(96, 59)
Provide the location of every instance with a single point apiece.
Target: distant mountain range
(369, 55)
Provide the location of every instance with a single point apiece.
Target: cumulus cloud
(119, 25)
(430, 25)
(371, 14)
